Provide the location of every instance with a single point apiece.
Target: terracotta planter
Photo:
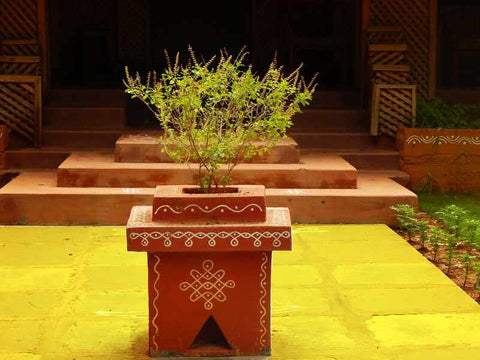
(441, 159)
(3, 138)
(209, 262)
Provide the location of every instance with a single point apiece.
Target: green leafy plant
(476, 269)
(436, 238)
(470, 234)
(407, 217)
(452, 216)
(452, 244)
(468, 263)
(220, 111)
(437, 113)
(422, 228)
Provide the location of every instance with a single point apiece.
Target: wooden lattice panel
(20, 105)
(18, 19)
(414, 16)
(385, 35)
(20, 65)
(391, 77)
(19, 48)
(392, 106)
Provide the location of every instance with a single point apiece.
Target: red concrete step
(41, 158)
(339, 99)
(81, 138)
(101, 170)
(331, 120)
(33, 199)
(84, 117)
(366, 158)
(87, 97)
(145, 148)
(338, 140)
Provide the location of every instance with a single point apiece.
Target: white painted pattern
(207, 286)
(154, 301)
(263, 294)
(454, 140)
(211, 237)
(207, 210)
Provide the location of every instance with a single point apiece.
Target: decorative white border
(211, 237)
(157, 294)
(454, 140)
(207, 285)
(207, 210)
(263, 292)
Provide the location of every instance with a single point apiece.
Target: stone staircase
(341, 175)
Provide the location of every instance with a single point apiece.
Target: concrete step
(145, 148)
(101, 170)
(42, 158)
(331, 120)
(339, 99)
(366, 158)
(34, 199)
(87, 97)
(73, 118)
(81, 138)
(339, 140)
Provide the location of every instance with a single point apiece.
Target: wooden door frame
(43, 40)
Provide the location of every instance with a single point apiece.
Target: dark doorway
(92, 40)
(459, 44)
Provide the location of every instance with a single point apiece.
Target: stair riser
(84, 118)
(89, 97)
(333, 141)
(79, 139)
(35, 160)
(373, 161)
(331, 120)
(114, 209)
(146, 178)
(336, 99)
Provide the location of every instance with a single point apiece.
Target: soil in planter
(456, 273)
(218, 190)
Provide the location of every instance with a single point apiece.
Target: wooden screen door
(23, 66)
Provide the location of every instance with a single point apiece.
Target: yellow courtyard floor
(345, 292)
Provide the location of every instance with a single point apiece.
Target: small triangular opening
(210, 335)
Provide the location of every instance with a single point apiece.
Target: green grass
(431, 203)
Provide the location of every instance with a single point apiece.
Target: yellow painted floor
(345, 292)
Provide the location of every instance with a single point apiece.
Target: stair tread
(33, 198)
(41, 182)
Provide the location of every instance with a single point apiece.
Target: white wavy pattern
(207, 210)
(211, 237)
(157, 294)
(207, 285)
(263, 292)
(454, 140)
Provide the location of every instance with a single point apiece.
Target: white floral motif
(211, 237)
(207, 285)
(263, 294)
(207, 210)
(454, 140)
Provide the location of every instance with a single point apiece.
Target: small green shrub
(214, 112)
(468, 263)
(407, 217)
(422, 229)
(436, 239)
(470, 234)
(452, 217)
(452, 244)
(437, 113)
